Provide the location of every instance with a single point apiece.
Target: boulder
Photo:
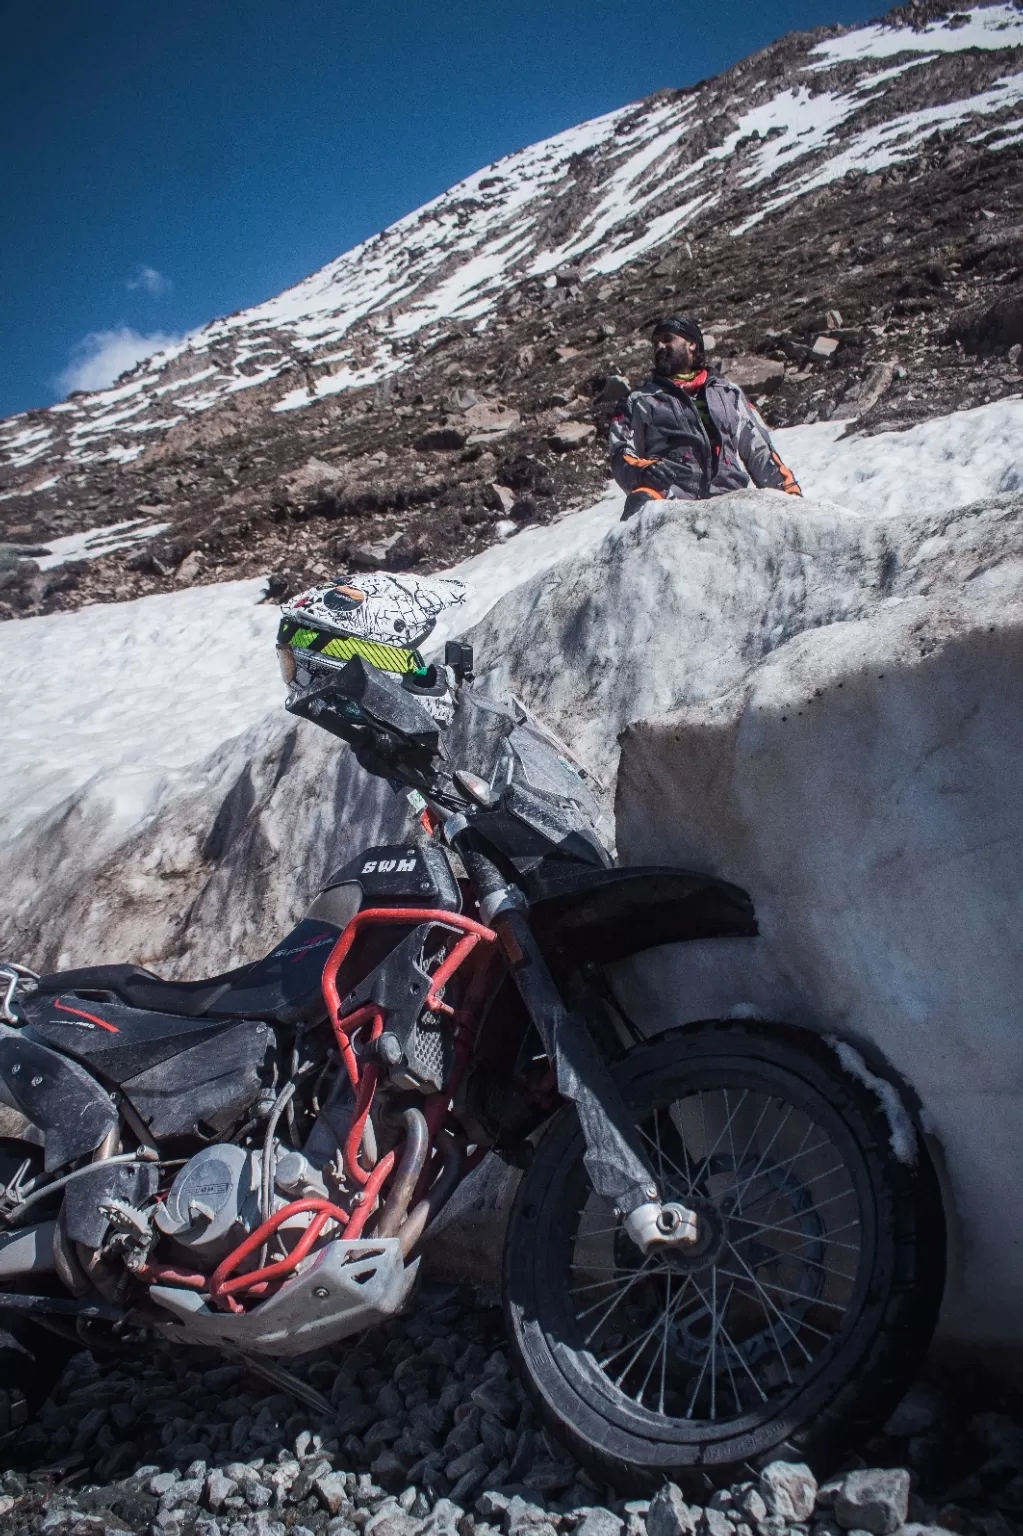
(312, 476)
(751, 372)
(571, 434)
(862, 394)
(489, 418)
(500, 497)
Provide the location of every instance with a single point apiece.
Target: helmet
(380, 617)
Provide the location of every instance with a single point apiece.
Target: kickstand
(279, 1377)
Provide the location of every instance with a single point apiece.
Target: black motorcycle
(715, 1257)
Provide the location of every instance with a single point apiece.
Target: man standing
(689, 433)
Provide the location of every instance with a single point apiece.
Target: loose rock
(873, 1500)
(789, 1489)
(669, 1514)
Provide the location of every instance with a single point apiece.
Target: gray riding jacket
(659, 423)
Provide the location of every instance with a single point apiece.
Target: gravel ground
(429, 1434)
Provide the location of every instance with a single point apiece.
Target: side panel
(69, 1107)
(116, 1041)
(212, 1083)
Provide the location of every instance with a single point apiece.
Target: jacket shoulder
(624, 406)
(719, 381)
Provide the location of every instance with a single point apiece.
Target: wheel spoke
(593, 1285)
(629, 1342)
(825, 1237)
(804, 1151)
(720, 1137)
(734, 1347)
(811, 1209)
(622, 1284)
(662, 1156)
(600, 1269)
(661, 1323)
(639, 1274)
(755, 1132)
(777, 1132)
(770, 1285)
(794, 1256)
(637, 1352)
(767, 1302)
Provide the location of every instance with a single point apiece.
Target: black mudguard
(581, 914)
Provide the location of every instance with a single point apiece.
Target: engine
(216, 1199)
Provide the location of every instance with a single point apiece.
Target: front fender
(582, 914)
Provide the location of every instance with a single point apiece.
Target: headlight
(286, 662)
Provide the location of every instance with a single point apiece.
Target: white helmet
(380, 617)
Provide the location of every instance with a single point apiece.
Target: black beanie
(682, 326)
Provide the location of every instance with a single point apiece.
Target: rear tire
(806, 1318)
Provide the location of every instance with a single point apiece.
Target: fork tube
(617, 1166)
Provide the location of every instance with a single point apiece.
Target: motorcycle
(714, 1257)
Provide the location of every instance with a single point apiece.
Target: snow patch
(131, 696)
(98, 541)
(993, 26)
(902, 1136)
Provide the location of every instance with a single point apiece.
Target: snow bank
(138, 694)
(129, 697)
(947, 462)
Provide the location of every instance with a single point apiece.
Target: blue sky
(167, 162)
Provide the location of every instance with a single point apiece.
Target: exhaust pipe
(452, 1156)
(413, 1160)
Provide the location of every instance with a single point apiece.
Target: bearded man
(688, 433)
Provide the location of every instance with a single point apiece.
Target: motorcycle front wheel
(802, 1317)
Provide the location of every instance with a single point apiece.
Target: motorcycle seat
(281, 988)
(140, 988)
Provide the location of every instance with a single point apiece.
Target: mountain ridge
(449, 379)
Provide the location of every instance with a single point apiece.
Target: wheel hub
(711, 1241)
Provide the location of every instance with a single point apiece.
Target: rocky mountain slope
(844, 209)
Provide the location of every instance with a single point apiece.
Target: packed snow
(452, 259)
(133, 697)
(948, 462)
(130, 695)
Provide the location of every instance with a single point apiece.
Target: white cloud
(150, 281)
(101, 356)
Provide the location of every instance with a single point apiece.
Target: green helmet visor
(293, 637)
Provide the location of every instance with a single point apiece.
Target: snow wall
(818, 702)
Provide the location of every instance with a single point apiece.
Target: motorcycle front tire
(794, 1330)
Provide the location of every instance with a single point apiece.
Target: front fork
(617, 1166)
